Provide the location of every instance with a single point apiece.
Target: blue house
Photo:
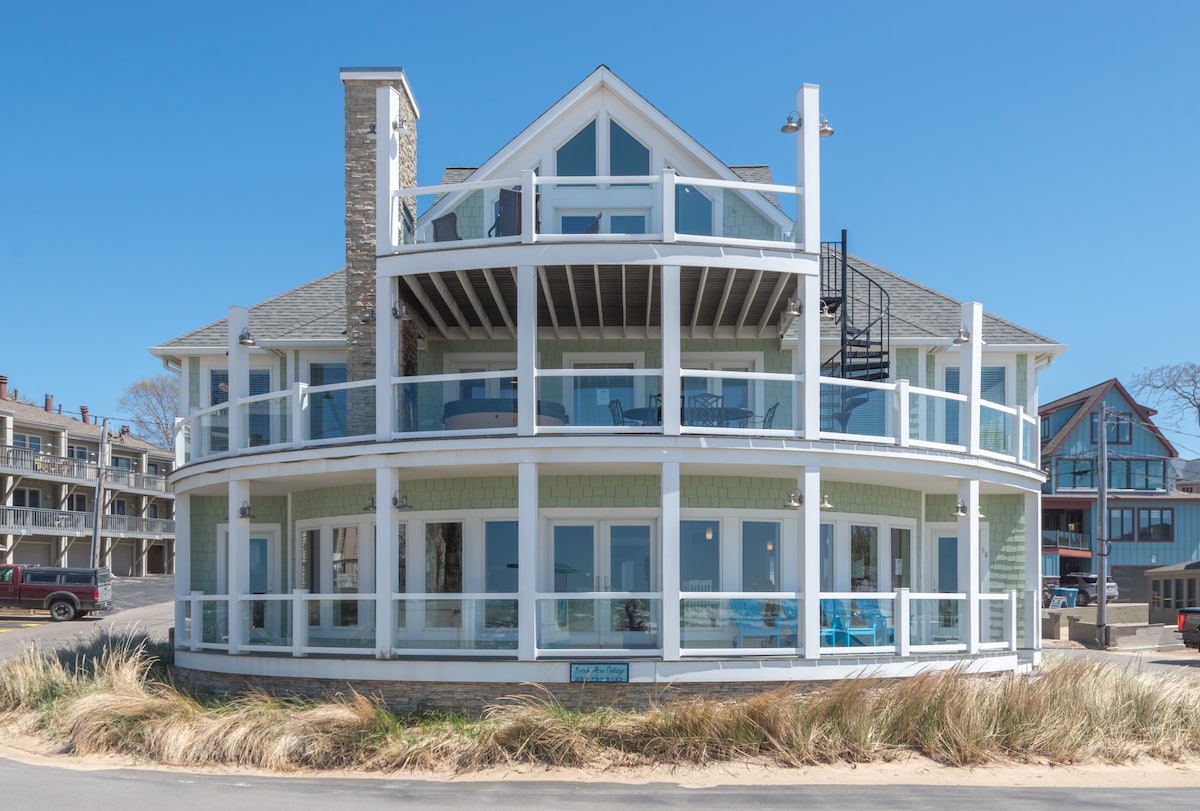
(1153, 507)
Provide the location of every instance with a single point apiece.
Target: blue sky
(162, 161)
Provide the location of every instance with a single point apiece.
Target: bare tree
(1174, 389)
(150, 404)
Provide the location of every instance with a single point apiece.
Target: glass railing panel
(863, 620)
(456, 403)
(341, 622)
(213, 430)
(718, 402)
(214, 622)
(449, 623)
(267, 622)
(601, 398)
(936, 417)
(936, 621)
(995, 429)
(993, 623)
(622, 623)
(1030, 449)
(753, 623)
(267, 421)
(847, 408)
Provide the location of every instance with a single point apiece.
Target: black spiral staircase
(860, 310)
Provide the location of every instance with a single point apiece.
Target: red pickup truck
(1189, 626)
(67, 593)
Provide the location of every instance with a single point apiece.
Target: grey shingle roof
(315, 310)
(758, 173)
(30, 414)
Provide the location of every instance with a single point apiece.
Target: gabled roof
(29, 415)
(314, 311)
(1087, 401)
(920, 312)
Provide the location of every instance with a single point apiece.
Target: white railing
(896, 623)
(662, 207)
(616, 401)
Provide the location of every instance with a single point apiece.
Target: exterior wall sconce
(960, 511)
(795, 499)
(369, 316)
(964, 337)
(400, 501)
(369, 507)
(398, 126)
(794, 122)
(826, 313)
(244, 338)
(825, 503)
(794, 310)
(401, 312)
(244, 510)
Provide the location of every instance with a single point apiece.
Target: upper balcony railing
(25, 461)
(642, 208)
(612, 401)
(40, 521)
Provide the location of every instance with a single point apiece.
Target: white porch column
(237, 559)
(387, 175)
(672, 386)
(387, 483)
(527, 333)
(669, 632)
(970, 374)
(527, 555)
(183, 564)
(968, 534)
(809, 486)
(387, 340)
(806, 360)
(1033, 573)
(239, 375)
(808, 168)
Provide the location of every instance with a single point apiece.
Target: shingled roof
(313, 311)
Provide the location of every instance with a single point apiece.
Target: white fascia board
(385, 75)
(515, 255)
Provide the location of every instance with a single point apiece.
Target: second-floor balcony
(40, 521)
(28, 462)
(615, 402)
(1065, 539)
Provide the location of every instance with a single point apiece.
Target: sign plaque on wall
(599, 672)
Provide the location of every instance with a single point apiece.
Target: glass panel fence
(620, 623)
(1030, 448)
(267, 621)
(341, 623)
(935, 417)
(458, 403)
(739, 622)
(995, 429)
(267, 421)
(993, 623)
(214, 621)
(213, 432)
(936, 620)
(863, 620)
(456, 624)
(847, 408)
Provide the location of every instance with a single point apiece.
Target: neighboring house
(545, 476)
(1153, 505)
(49, 464)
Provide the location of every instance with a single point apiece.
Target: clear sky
(162, 161)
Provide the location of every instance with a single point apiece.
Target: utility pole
(1102, 535)
(98, 507)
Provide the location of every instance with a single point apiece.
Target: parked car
(1086, 583)
(1189, 626)
(67, 593)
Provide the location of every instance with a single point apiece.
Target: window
(33, 443)
(693, 212)
(901, 558)
(1153, 524)
(591, 394)
(626, 155)
(24, 497)
(760, 556)
(993, 426)
(77, 502)
(864, 558)
(1137, 474)
(443, 572)
(117, 507)
(500, 573)
(577, 157)
(152, 511)
(1120, 427)
(152, 468)
(699, 556)
(481, 388)
(77, 452)
(122, 463)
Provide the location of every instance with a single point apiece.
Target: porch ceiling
(577, 301)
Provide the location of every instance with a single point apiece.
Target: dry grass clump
(115, 696)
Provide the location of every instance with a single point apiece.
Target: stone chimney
(49, 403)
(360, 85)
(3, 387)
(83, 415)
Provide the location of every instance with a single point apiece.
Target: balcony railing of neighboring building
(614, 401)
(579, 623)
(662, 207)
(24, 461)
(1065, 539)
(40, 521)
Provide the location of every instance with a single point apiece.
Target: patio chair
(445, 228)
(769, 416)
(594, 227)
(618, 414)
(752, 624)
(705, 409)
